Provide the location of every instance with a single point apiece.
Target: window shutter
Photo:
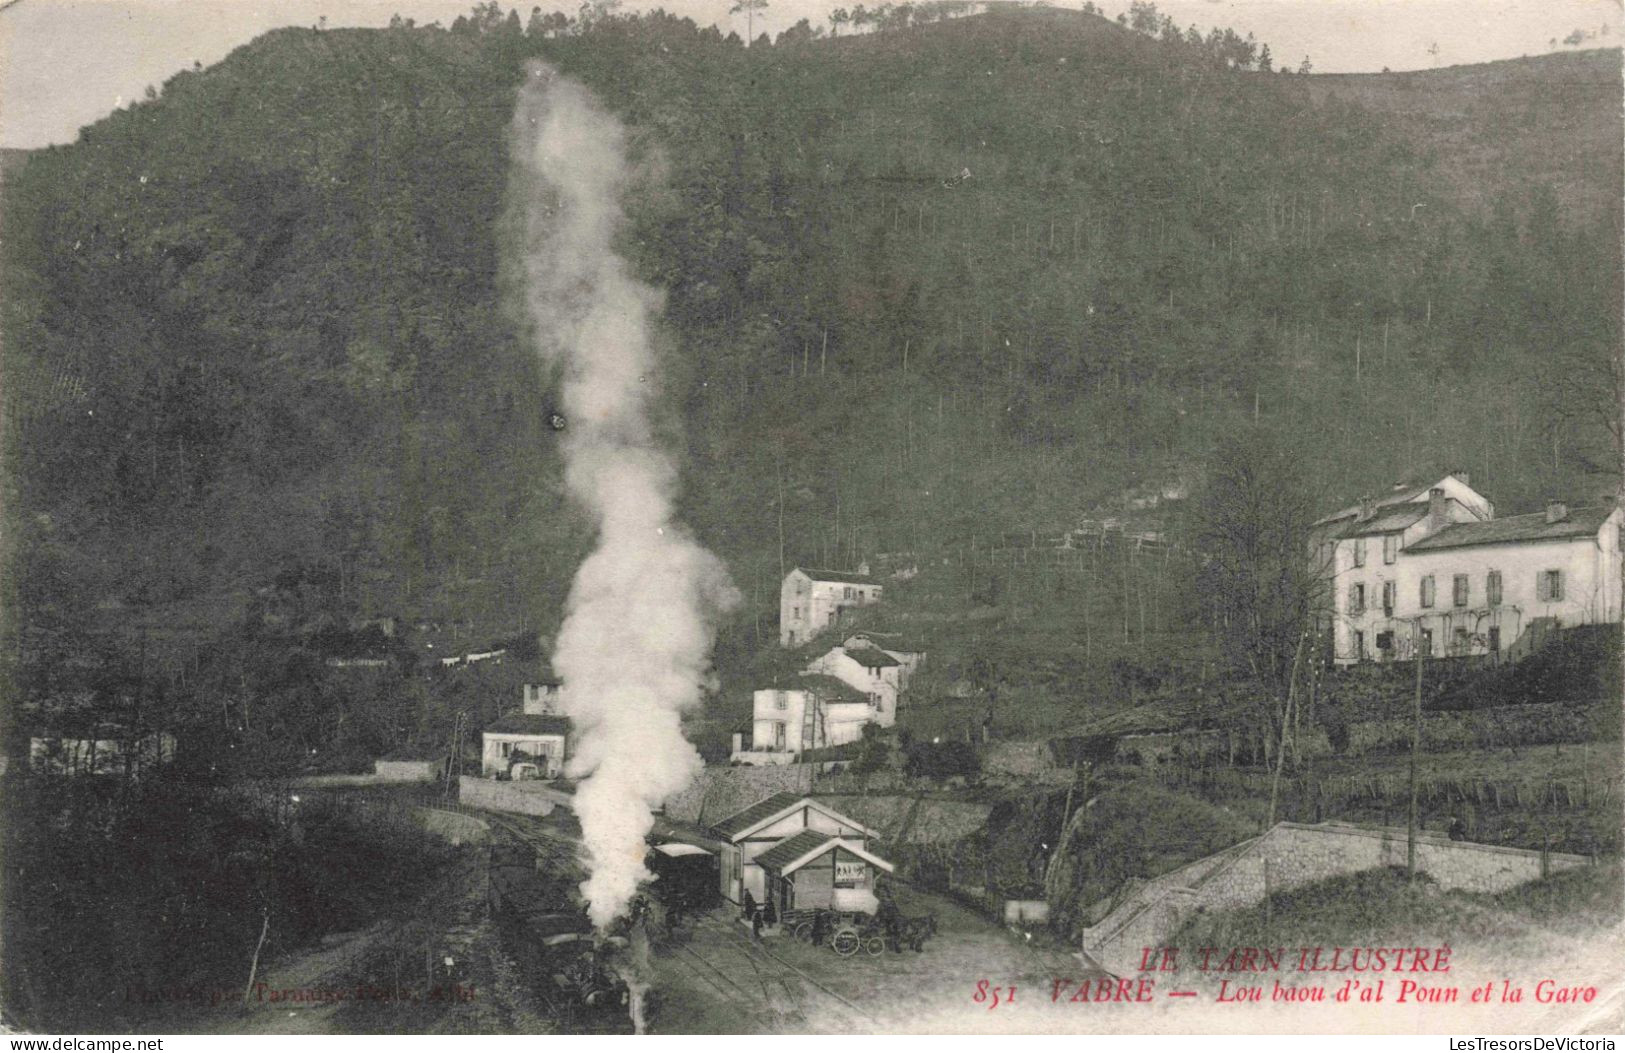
(1542, 587)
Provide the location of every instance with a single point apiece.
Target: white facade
(790, 720)
(811, 601)
(544, 697)
(500, 748)
(871, 672)
(1453, 584)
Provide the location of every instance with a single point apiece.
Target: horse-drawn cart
(846, 932)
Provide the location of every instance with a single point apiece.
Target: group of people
(759, 914)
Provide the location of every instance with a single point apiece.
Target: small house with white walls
(811, 601)
(544, 696)
(909, 655)
(539, 734)
(1433, 570)
(803, 713)
(868, 670)
(801, 854)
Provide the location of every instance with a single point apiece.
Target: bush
(942, 760)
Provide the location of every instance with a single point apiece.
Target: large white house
(811, 601)
(1431, 568)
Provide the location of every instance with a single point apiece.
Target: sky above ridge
(68, 63)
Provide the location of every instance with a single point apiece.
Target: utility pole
(1416, 748)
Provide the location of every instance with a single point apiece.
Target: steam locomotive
(544, 926)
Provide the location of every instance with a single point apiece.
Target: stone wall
(717, 793)
(1489, 728)
(1031, 759)
(455, 827)
(1294, 854)
(404, 770)
(526, 798)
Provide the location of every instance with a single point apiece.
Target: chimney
(1556, 511)
(1437, 511)
(1368, 509)
(1463, 475)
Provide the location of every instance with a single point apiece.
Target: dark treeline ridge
(954, 276)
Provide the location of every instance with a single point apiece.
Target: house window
(795, 613)
(1458, 590)
(1385, 642)
(1495, 639)
(1492, 588)
(1390, 547)
(874, 700)
(1461, 642)
(1357, 598)
(847, 593)
(1388, 591)
(1425, 644)
(1359, 644)
(1549, 586)
(1427, 591)
(1359, 552)
(781, 699)
(505, 747)
(778, 734)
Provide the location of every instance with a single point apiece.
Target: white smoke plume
(635, 646)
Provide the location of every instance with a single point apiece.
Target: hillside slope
(921, 284)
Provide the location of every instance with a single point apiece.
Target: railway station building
(813, 869)
(818, 856)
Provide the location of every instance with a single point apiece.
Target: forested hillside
(951, 276)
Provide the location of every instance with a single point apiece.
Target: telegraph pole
(1416, 748)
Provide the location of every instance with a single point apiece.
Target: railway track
(728, 963)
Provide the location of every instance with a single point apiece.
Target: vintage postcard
(781, 517)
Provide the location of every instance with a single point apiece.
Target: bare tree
(1258, 580)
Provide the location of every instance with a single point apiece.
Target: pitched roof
(792, 852)
(793, 848)
(825, 687)
(870, 658)
(530, 724)
(756, 813)
(763, 811)
(1398, 496)
(1580, 522)
(838, 575)
(1386, 522)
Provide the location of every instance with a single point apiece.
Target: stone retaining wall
(526, 798)
(1294, 854)
(455, 827)
(405, 770)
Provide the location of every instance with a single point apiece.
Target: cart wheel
(803, 930)
(846, 942)
(875, 945)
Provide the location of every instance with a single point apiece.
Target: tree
(1266, 64)
(1305, 67)
(1259, 588)
(750, 7)
(838, 18)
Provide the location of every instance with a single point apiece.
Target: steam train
(686, 879)
(544, 926)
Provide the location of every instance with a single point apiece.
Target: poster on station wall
(1097, 342)
(851, 873)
